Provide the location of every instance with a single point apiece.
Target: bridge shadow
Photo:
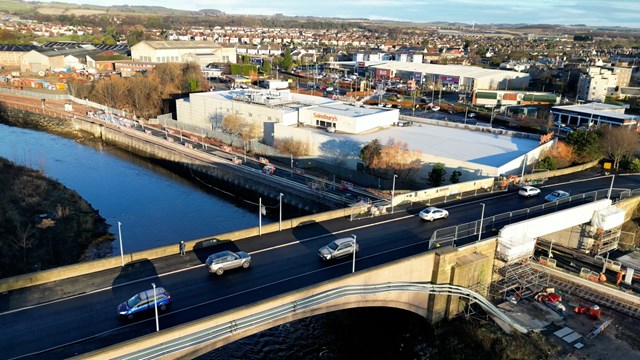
(202, 249)
(132, 272)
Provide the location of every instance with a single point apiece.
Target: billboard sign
(449, 79)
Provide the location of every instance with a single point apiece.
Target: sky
(624, 13)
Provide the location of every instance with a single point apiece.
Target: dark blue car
(144, 301)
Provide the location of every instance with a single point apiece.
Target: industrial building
(502, 98)
(450, 77)
(202, 53)
(594, 114)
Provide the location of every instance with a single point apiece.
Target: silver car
(557, 195)
(226, 260)
(338, 248)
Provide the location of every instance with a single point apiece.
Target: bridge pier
(470, 266)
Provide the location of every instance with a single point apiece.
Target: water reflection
(155, 206)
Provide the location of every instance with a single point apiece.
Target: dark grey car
(226, 260)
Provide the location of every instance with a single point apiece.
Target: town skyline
(623, 13)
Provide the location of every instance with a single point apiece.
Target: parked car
(557, 195)
(338, 248)
(432, 213)
(529, 191)
(558, 124)
(143, 302)
(219, 262)
(472, 115)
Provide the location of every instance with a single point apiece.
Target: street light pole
(355, 247)
(524, 164)
(120, 237)
(155, 303)
(280, 223)
(393, 191)
(613, 177)
(260, 216)
(481, 219)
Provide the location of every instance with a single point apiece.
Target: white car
(433, 213)
(558, 124)
(557, 195)
(529, 191)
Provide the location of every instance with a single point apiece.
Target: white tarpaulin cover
(519, 239)
(608, 218)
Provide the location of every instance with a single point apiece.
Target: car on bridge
(219, 262)
(433, 213)
(338, 248)
(143, 302)
(528, 191)
(556, 195)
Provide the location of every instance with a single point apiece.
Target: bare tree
(251, 131)
(233, 124)
(396, 157)
(22, 240)
(144, 96)
(618, 142)
(112, 93)
(291, 146)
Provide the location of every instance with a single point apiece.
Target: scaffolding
(518, 279)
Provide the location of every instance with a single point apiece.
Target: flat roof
(448, 70)
(598, 109)
(349, 110)
(466, 145)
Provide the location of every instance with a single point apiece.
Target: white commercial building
(207, 109)
(453, 77)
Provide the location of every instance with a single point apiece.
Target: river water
(156, 208)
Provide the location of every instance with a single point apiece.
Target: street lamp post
(393, 191)
(260, 216)
(280, 223)
(120, 237)
(613, 177)
(481, 219)
(155, 305)
(291, 157)
(355, 248)
(524, 164)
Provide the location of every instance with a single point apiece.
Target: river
(156, 208)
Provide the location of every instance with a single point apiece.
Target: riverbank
(44, 225)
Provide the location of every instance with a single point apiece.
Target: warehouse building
(450, 77)
(501, 98)
(202, 53)
(594, 114)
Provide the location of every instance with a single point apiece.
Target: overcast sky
(590, 12)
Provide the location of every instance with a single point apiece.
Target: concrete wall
(444, 266)
(565, 171)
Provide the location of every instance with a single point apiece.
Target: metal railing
(264, 317)
(451, 235)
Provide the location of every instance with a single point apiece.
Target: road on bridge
(78, 315)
